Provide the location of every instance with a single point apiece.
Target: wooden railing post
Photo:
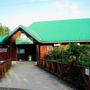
(4, 67)
(89, 83)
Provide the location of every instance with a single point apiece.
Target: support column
(10, 50)
(37, 53)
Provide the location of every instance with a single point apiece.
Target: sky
(24, 12)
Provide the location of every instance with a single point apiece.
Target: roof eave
(71, 41)
(24, 31)
(30, 34)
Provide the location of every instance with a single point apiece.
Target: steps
(1, 88)
(24, 62)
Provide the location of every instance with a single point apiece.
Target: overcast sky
(24, 12)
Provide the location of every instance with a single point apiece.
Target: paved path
(29, 76)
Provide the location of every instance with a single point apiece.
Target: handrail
(4, 67)
(64, 70)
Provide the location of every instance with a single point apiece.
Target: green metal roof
(3, 38)
(23, 41)
(57, 31)
(60, 30)
(32, 32)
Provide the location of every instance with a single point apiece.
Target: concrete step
(1, 88)
(24, 62)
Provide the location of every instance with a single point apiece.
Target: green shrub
(73, 52)
(74, 49)
(48, 57)
(58, 53)
(84, 59)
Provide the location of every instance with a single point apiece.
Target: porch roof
(73, 30)
(23, 41)
(3, 38)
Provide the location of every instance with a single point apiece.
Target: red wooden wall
(44, 49)
(4, 55)
(17, 35)
(11, 53)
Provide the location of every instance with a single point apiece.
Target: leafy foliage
(59, 54)
(4, 30)
(71, 53)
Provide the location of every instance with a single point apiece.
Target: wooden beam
(37, 53)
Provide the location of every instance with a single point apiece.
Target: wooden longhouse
(41, 37)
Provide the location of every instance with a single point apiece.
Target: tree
(4, 30)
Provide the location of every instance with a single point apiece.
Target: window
(20, 51)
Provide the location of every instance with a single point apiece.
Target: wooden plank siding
(30, 49)
(4, 55)
(44, 49)
(17, 35)
(10, 54)
(13, 52)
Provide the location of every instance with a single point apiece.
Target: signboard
(87, 71)
(20, 51)
(3, 49)
(55, 45)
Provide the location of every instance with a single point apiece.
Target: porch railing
(4, 67)
(65, 71)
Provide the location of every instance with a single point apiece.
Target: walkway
(29, 76)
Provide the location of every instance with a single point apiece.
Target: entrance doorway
(26, 49)
(26, 52)
(22, 46)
